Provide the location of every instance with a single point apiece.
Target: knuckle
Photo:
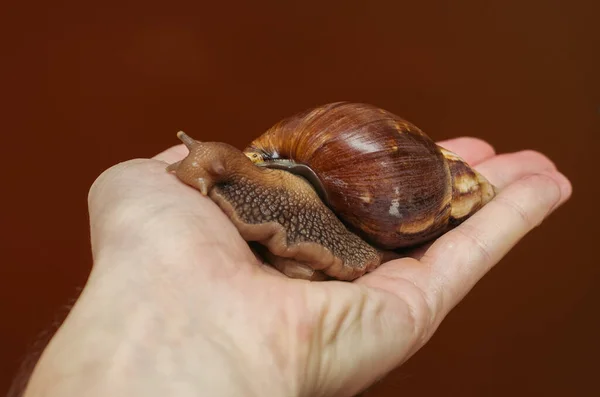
(422, 312)
(540, 194)
(469, 234)
(548, 188)
(421, 307)
(517, 210)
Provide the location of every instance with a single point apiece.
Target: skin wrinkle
(410, 321)
(374, 309)
(318, 360)
(447, 292)
(517, 209)
(414, 297)
(345, 322)
(422, 332)
(281, 342)
(439, 283)
(321, 349)
(344, 319)
(357, 325)
(472, 235)
(466, 231)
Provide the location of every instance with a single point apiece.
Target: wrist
(124, 338)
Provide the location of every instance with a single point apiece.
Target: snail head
(207, 163)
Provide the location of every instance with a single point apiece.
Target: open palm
(167, 260)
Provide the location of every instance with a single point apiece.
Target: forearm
(124, 339)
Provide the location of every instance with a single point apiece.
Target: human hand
(177, 304)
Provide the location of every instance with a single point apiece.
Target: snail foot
(290, 247)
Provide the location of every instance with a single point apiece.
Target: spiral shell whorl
(386, 179)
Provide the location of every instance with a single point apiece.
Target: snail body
(332, 191)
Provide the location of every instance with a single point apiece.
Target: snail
(336, 190)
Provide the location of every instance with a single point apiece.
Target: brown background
(87, 86)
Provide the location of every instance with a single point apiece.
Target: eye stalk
(188, 141)
(207, 163)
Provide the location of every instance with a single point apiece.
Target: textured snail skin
(332, 191)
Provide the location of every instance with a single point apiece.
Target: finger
(504, 169)
(472, 150)
(462, 256)
(172, 154)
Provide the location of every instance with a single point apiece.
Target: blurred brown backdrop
(86, 86)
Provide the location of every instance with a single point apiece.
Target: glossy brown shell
(384, 177)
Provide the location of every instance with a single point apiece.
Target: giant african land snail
(331, 190)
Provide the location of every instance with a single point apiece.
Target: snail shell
(332, 191)
(380, 174)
